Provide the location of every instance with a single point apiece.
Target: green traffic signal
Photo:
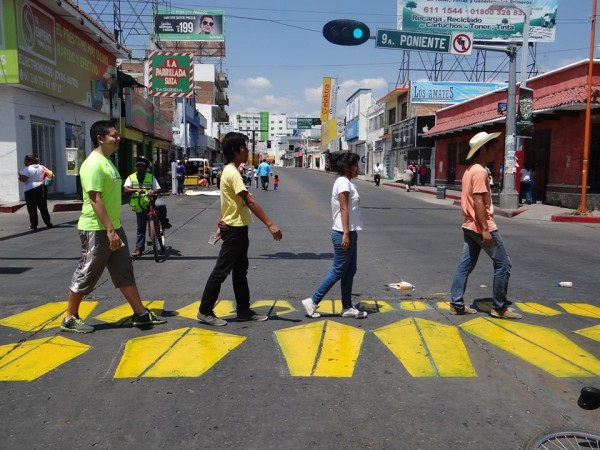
(346, 32)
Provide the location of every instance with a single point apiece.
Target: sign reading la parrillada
(171, 74)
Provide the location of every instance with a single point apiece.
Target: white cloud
(347, 88)
(255, 84)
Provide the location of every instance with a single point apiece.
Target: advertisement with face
(188, 25)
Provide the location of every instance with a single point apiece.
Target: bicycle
(156, 232)
(570, 438)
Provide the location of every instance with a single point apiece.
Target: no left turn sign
(462, 43)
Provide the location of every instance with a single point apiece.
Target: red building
(556, 148)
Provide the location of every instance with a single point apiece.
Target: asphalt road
(410, 376)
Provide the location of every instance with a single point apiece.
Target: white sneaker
(353, 312)
(311, 308)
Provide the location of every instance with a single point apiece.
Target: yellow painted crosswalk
(424, 340)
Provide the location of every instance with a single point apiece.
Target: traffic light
(346, 32)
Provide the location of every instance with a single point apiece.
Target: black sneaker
(251, 316)
(167, 225)
(140, 320)
(75, 325)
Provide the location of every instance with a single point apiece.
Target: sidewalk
(536, 211)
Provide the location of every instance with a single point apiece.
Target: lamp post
(509, 197)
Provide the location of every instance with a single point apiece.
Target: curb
(11, 208)
(64, 207)
(572, 218)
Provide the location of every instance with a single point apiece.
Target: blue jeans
(471, 249)
(344, 268)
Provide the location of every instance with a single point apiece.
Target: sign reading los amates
(483, 18)
(44, 52)
(171, 74)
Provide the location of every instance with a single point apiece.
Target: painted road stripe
(321, 349)
(537, 308)
(581, 309)
(223, 309)
(427, 349)
(445, 306)
(414, 306)
(375, 306)
(590, 332)
(186, 352)
(48, 315)
(545, 348)
(272, 307)
(30, 360)
(122, 314)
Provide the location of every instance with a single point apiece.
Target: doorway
(43, 144)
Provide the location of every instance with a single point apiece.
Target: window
(392, 116)
(403, 111)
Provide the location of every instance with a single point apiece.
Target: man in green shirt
(103, 241)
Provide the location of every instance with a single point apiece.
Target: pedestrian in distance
(377, 174)
(264, 170)
(347, 221)
(408, 175)
(422, 174)
(103, 241)
(236, 205)
(413, 167)
(141, 184)
(255, 176)
(276, 182)
(180, 176)
(34, 176)
(480, 231)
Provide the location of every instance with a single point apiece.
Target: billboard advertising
(46, 53)
(188, 25)
(171, 74)
(485, 20)
(449, 91)
(328, 99)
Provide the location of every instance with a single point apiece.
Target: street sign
(460, 43)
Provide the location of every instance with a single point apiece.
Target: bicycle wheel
(566, 439)
(160, 233)
(153, 236)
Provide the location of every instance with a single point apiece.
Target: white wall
(15, 128)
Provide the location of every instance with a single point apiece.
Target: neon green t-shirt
(99, 174)
(234, 211)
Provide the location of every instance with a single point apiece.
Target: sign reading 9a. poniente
(484, 18)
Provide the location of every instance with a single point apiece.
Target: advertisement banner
(328, 99)
(525, 113)
(188, 25)
(483, 18)
(171, 74)
(48, 54)
(449, 91)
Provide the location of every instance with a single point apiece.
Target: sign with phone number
(487, 23)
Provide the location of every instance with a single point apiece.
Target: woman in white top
(33, 175)
(347, 221)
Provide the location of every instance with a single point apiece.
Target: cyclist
(140, 185)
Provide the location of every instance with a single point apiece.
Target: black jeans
(264, 181)
(36, 199)
(233, 258)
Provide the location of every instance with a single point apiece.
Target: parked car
(195, 170)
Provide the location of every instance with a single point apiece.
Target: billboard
(188, 25)
(328, 99)
(480, 17)
(449, 91)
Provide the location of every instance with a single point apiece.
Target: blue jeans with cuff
(473, 244)
(344, 268)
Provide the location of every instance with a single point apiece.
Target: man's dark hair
(100, 128)
(345, 161)
(232, 144)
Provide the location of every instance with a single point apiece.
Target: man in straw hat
(480, 231)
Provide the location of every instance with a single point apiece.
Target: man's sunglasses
(210, 24)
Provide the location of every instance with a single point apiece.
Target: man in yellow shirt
(236, 205)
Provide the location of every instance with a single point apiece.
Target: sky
(276, 55)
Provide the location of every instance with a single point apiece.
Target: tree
(411, 5)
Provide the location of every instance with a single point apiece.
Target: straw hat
(479, 140)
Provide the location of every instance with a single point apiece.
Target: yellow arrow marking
(427, 349)
(581, 309)
(537, 308)
(590, 332)
(189, 311)
(543, 347)
(187, 352)
(444, 305)
(414, 305)
(45, 316)
(123, 313)
(272, 307)
(321, 349)
(30, 360)
(375, 306)
(330, 307)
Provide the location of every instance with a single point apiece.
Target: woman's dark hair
(345, 161)
(32, 158)
(100, 128)
(232, 144)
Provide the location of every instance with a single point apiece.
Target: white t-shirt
(377, 170)
(343, 184)
(35, 175)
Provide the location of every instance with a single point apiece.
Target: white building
(357, 125)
